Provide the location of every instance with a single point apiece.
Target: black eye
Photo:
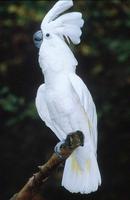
(47, 35)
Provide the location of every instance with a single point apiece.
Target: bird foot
(58, 147)
(72, 140)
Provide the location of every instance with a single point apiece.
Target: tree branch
(30, 191)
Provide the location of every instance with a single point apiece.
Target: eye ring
(47, 35)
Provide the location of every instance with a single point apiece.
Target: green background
(104, 65)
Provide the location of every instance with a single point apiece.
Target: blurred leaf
(97, 69)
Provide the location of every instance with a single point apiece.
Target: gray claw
(57, 149)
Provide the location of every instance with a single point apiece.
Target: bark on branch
(30, 191)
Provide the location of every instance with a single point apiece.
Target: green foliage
(10, 102)
(22, 12)
(17, 106)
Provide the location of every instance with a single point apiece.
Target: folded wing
(43, 112)
(88, 104)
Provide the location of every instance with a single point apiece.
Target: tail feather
(81, 175)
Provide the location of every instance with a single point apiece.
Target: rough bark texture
(31, 189)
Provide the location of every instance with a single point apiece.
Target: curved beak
(38, 38)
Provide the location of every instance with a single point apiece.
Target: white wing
(44, 112)
(88, 104)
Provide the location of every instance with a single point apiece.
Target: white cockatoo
(63, 102)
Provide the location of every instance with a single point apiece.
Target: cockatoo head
(55, 30)
(65, 26)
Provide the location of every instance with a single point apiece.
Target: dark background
(104, 65)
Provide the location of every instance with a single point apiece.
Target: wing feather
(88, 104)
(43, 112)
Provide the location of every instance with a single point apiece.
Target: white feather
(83, 180)
(72, 18)
(56, 10)
(82, 165)
(71, 31)
(68, 25)
(64, 103)
(88, 104)
(43, 112)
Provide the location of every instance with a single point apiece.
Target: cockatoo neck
(55, 57)
(55, 80)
